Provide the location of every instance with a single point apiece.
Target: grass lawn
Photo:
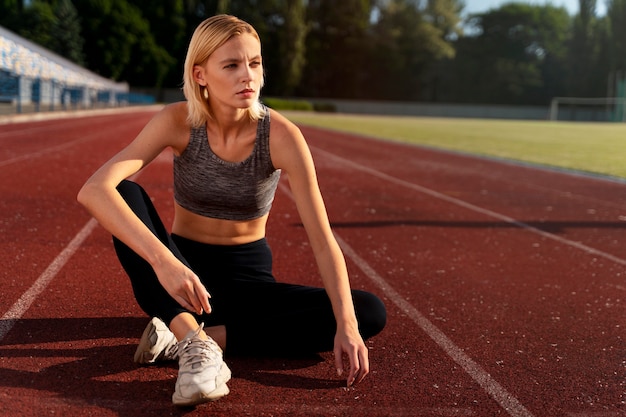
(592, 147)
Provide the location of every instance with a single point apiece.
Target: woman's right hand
(183, 286)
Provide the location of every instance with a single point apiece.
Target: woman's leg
(292, 319)
(150, 295)
(266, 317)
(194, 384)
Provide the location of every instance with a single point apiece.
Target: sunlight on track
(475, 371)
(55, 148)
(477, 209)
(478, 374)
(40, 153)
(19, 308)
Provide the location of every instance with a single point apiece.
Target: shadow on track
(549, 226)
(89, 361)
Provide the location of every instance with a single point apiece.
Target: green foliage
(337, 49)
(291, 38)
(518, 53)
(324, 107)
(616, 23)
(10, 11)
(282, 26)
(584, 41)
(445, 16)
(167, 28)
(121, 43)
(298, 105)
(66, 29)
(37, 24)
(285, 104)
(517, 56)
(51, 24)
(407, 41)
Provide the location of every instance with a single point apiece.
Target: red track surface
(505, 285)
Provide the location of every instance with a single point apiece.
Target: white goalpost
(609, 109)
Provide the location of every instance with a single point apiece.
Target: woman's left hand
(351, 344)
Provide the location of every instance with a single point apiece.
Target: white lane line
(42, 152)
(475, 371)
(30, 130)
(69, 144)
(477, 209)
(19, 308)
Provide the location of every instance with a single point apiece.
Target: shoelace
(194, 348)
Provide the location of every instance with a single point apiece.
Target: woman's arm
(101, 198)
(291, 154)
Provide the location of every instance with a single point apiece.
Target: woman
(227, 161)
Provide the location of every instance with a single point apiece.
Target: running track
(505, 285)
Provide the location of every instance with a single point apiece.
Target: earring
(205, 93)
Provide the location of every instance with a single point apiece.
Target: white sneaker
(157, 343)
(202, 373)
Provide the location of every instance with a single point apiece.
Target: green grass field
(598, 148)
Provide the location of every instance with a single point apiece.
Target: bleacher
(33, 78)
(8, 86)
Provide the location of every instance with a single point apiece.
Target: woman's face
(233, 74)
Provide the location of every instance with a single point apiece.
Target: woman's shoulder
(175, 113)
(169, 126)
(282, 128)
(287, 144)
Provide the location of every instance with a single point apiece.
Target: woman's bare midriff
(217, 231)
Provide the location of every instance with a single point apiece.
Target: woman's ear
(198, 74)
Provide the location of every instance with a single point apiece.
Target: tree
(407, 43)
(284, 47)
(52, 24)
(10, 11)
(517, 56)
(126, 48)
(198, 10)
(585, 76)
(66, 28)
(337, 49)
(445, 16)
(37, 23)
(168, 27)
(616, 15)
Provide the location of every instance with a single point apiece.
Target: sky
(480, 6)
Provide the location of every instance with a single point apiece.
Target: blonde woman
(209, 284)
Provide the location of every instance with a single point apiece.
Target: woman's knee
(125, 185)
(130, 190)
(370, 312)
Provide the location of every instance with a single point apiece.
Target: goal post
(600, 109)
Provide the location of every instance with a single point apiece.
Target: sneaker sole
(204, 397)
(142, 354)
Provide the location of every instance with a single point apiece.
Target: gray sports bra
(207, 185)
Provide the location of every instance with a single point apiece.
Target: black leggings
(261, 316)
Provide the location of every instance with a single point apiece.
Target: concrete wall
(438, 109)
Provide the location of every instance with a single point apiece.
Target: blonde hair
(208, 36)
